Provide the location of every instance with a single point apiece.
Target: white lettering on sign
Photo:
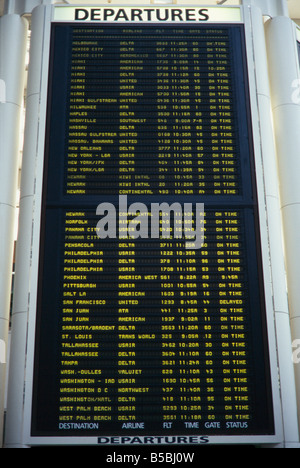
(148, 440)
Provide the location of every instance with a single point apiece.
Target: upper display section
(149, 111)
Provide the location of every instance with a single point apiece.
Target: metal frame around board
(93, 440)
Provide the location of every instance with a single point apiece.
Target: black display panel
(144, 336)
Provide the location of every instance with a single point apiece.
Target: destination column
(84, 396)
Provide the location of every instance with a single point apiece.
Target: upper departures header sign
(143, 14)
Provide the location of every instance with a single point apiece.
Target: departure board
(144, 335)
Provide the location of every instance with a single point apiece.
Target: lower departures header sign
(143, 336)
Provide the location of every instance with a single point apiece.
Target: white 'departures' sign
(147, 14)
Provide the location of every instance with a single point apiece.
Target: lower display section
(146, 336)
